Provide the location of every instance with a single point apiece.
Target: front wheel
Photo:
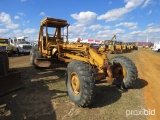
(80, 83)
(124, 72)
(18, 52)
(33, 59)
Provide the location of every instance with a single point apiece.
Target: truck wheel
(2, 65)
(80, 83)
(36, 54)
(124, 72)
(18, 52)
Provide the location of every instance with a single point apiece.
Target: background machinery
(20, 45)
(85, 64)
(5, 46)
(156, 46)
(113, 46)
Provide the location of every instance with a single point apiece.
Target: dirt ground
(148, 64)
(44, 96)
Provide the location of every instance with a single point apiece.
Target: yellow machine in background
(110, 45)
(5, 46)
(118, 46)
(135, 47)
(113, 46)
(85, 64)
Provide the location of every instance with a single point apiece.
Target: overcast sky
(130, 20)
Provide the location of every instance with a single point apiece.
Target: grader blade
(10, 82)
(42, 62)
(45, 63)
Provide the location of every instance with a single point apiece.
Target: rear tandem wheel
(125, 72)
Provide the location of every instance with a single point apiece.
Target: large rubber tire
(84, 95)
(6, 60)
(18, 53)
(36, 55)
(32, 57)
(124, 72)
(2, 65)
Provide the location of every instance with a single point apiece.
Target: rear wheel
(124, 72)
(80, 83)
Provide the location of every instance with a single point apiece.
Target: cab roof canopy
(53, 22)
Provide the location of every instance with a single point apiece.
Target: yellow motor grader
(124, 47)
(112, 46)
(118, 47)
(85, 64)
(135, 46)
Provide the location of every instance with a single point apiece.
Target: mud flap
(10, 82)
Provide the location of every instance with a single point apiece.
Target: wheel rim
(120, 72)
(124, 72)
(75, 83)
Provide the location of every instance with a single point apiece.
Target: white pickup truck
(156, 46)
(20, 46)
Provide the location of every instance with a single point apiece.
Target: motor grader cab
(50, 35)
(85, 64)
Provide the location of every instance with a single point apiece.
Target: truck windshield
(24, 42)
(3, 41)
